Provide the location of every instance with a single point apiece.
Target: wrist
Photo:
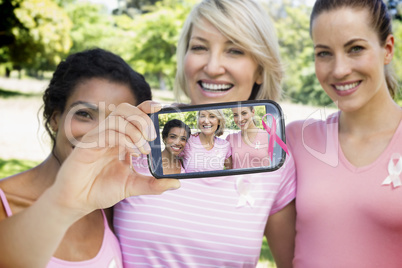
(59, 208)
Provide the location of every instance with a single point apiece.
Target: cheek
(320, 72)
(189, 65)
(78, 129)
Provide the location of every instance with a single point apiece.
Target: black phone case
(157, 170)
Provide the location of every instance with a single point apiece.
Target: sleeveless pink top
(109, 256)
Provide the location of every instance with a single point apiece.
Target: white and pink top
(197, 159)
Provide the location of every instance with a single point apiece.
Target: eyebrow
(205, 40)
(345, 45)
(86, 104)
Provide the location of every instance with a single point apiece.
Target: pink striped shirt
(208, 222)
(197, 159)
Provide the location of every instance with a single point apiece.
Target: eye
(197, 48)
(236, 51)
(322, 54)
(356, 49)
(235, 115)
(83, 114)
(244, 113)
(183, 139)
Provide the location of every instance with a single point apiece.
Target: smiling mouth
(175, 148)
(215, 87)
(347, 86)
(207, 127)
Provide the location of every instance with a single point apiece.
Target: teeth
(216, 87)
(346, 87)
(207, 126)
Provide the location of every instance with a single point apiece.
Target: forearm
(280, 232)
(29, 238)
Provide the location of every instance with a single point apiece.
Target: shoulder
(194, 138)
(312, 133)
(232, 136)
(221, 141)
(309, 126)
(16, 191)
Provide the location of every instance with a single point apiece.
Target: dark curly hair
(175, 123)
(93, 63)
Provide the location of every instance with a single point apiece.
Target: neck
(251, 129)
(46, 172)
(380, 115)
(167, 155)
(207, 139)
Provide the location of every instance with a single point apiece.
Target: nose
(341, 67)
(214, 65)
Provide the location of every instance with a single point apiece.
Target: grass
(13, 166)
(10, 94)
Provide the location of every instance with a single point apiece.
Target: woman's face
(216, 69)
(349, 59)
(176, 140)
(208, 123)
(91, 102)
(243, 117)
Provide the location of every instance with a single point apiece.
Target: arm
(280, 232)
(89, 179)
(228, 163)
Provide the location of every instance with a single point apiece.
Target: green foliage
(155, 40)
(93, 27)
(189, 118)
(297, 53)
(397, 60)
(13, 166)
(43, 39)
(266, 254)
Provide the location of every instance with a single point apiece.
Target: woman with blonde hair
(228, 51)
(204, 151)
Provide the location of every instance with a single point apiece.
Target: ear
(54, 121)
(389, 49)
(259, 78)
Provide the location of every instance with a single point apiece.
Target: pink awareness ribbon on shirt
(394, 170)
(274, 137)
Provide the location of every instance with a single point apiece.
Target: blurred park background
(35, 35)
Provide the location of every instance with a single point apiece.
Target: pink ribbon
(274, 137)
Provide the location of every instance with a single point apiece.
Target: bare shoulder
(19, 191)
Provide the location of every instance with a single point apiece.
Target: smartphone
(219, 139)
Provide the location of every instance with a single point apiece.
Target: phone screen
(218, 139)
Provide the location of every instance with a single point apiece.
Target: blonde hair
(222, 121)
(245, 23)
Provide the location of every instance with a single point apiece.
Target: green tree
(155, 40)
(42, 36)
(92, 26)
(397, 60)
(297, 53)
